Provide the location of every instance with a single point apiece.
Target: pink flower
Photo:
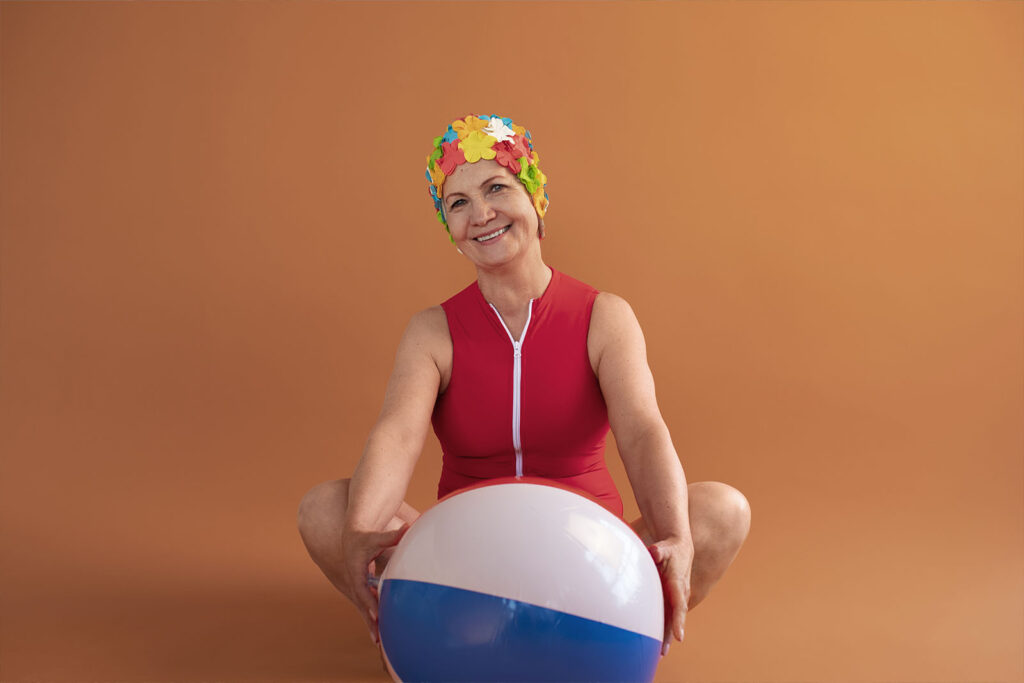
(506, 156)
(451, 157)
(520, 147)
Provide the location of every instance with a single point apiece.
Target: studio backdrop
(215, 226)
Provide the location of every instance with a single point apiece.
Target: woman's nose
(482, 212)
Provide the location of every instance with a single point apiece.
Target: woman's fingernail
(664, 649)
(373, 638)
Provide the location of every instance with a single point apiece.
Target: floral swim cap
(474, 138)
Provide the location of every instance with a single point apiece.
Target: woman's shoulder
(611, 324)
(610, 307)
(430, 323)
(611, 319)
(428, 333)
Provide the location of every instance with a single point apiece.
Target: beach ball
(521, 581)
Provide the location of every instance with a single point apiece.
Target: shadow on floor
(208, 634)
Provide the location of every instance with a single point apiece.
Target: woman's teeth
(494, 234)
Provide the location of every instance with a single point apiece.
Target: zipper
(517, 381)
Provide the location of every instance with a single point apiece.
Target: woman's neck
(511, 287)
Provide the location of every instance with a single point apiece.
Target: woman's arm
(382, 476)
(650, 459)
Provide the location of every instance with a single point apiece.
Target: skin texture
(349, 526)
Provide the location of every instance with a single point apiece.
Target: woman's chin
(494, 255)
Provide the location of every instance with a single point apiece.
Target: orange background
(216, 225)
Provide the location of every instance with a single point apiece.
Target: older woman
(522, 373)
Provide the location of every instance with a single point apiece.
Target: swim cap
(473, 138)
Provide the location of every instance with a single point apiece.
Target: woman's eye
(457, 203)
(497, 187)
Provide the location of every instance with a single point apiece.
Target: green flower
(531, 176)
(436, 154)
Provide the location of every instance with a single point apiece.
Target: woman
(521, 373)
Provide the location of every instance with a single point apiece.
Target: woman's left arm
(619, 353)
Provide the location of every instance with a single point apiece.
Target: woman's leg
(719, 523)
(321, 520)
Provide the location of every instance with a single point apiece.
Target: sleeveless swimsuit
(527, 408)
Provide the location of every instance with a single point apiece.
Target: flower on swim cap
(473, 138)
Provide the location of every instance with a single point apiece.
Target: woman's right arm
(382, 476)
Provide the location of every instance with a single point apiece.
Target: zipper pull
(516, 349)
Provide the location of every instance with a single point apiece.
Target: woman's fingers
(363, 597)
(657, 554)
(678, 609)
(676, 587)
(675, 613)
(361, 549)
(386, 539)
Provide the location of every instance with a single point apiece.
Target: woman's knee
(725, 511)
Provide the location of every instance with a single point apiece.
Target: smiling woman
(477, 138)
(489, 215)
(522, 373)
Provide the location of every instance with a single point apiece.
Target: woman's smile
(492, 236)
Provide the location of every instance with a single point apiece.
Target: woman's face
(491, 218)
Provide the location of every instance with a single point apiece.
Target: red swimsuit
(532, 408)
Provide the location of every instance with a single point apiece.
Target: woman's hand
(674, 560)
(359, 550)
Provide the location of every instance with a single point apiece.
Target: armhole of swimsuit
(591, 300)
(451, 338)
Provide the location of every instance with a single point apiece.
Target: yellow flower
(477, 146)
(540, 202)
(437, 176)
(467, 126)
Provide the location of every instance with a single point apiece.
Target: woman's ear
(540, 228)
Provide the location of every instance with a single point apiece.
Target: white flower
(498, 130)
